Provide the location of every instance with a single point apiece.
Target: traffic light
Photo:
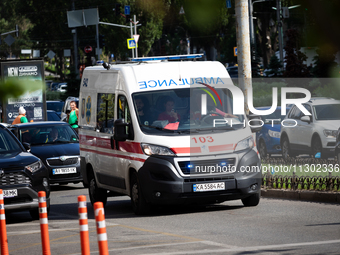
(117, 9)
(101, 41)
(17, 30)
(127, 18)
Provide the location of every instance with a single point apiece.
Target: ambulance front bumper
(162, 183)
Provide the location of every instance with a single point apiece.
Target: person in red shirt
(169, 113)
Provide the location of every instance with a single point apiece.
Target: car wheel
(96, 194)
(286, 152)
(316, 146)
(34, 214)
(139, 205)
(263, 150)
(252, 200)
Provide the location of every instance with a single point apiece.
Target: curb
(302, 195)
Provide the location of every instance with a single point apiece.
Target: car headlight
(330, 133)
(34, 167)
(149, 150)
(247, 143)
(275, 134)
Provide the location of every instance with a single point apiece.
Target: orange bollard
(45, 238)
(3, 234)
(83, 226)
(101, 228)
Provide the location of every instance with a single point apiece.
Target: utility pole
(243, 49)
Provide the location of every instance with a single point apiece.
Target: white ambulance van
(164, 132)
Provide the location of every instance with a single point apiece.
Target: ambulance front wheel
(96, 194)
(252, 200)
(139, 205)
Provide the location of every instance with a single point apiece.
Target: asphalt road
(273, 227)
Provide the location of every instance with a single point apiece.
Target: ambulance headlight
(247, 143)
(150, 149)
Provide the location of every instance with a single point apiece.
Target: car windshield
(37, 135)
(327, 112)
(8, 144)
(55, 106)
(181, 111)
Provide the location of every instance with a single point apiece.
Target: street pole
(135, 22)
(75, 47)
(97, 36)
(279, 28)
(251, 29)
(133, 52)
(243, 49)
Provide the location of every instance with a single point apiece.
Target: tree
(274, 66)
(294, 59)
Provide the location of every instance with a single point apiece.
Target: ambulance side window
(105, 112)
(123, 109)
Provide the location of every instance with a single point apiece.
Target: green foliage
(14, 87)
(53, 95)
(262, 93)
(274, 66)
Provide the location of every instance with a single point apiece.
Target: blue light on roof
(190, 166)
(174, 57)
(223, 164)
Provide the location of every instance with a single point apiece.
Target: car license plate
(67, 170)
(209, 186)
(10, 193)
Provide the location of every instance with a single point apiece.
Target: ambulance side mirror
(120, 130)
(255, 122)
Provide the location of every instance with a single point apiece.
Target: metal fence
(295, 181)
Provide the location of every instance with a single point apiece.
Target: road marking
(238, 249)
(162, 233)
(144, 246)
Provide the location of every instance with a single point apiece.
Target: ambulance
(162, 130)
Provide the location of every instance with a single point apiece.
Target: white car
(62, 88)
(304, 134)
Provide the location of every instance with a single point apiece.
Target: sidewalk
(302, 195)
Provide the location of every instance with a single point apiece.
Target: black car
(22, 175)
(55, 105)
(52, 116)
(57, 145)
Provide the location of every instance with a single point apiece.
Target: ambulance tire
(139, 205)
(96, 194)
(252, 200)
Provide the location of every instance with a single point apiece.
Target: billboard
(32, 101)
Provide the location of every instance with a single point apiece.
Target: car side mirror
(306, 118)
(27, 146)
(120, 130)
(255, 122)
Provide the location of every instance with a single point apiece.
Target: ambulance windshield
(186, 110)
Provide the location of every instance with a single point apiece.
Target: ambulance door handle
(112, 142)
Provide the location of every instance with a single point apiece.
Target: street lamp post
(251, 26)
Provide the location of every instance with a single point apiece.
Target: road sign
(136, 37)
(88, 49)
(131, 43)
(228, 3)
(127, 10)
(235, 51)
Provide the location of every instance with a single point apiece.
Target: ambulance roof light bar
(173, 57)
